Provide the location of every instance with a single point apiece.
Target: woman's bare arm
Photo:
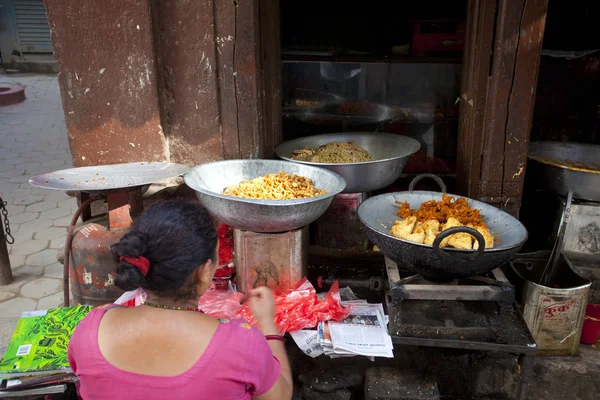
(262, 304)
(284, 387)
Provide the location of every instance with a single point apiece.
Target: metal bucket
(554, 313)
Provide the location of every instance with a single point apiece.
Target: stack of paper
(363, 332)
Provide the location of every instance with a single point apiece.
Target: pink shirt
(237, 364)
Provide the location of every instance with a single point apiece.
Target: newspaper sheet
(364, 332)
(308, 341)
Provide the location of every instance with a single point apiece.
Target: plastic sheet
(220, 303)
(132, 298)
(295, 309)
(225, 245)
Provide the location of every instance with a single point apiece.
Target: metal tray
(103, 178)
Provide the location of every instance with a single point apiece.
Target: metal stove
(475, 313)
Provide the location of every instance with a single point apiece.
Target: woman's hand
(262, 304)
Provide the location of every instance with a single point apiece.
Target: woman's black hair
(176, 237)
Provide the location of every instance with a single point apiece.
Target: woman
(166, 348)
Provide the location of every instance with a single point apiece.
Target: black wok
(432, 262)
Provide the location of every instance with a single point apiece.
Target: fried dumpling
(487, 235)
(461, 240)
(451, 223)
(401, 229)
(431, 228)
(418, 236)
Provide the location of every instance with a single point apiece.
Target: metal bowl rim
(34, 181)
(449, 249)
(351, 163)
(534, 147)
(340, 186)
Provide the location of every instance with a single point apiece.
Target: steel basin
(209, 181)
(389, 151)
(564, 167)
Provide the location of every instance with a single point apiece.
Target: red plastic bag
(220, 303)
(295, 309)
(225, 245)
(300, 308)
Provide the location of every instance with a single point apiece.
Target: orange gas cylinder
(93, 266)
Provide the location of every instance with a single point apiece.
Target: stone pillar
(149, 80)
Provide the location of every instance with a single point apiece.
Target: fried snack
(461, 240)
(334, 152)
(402, 229)
(442, 210)
(279, 186)
(451, 223)
(431, 228)
(448, 213)
(418, 235)
(487, 235)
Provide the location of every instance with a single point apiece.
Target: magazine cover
(40, 342)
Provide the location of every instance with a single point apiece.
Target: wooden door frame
(499, 79)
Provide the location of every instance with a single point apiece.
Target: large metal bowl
(432, 262)
(390, 153)
(209, 181)
(564, 167)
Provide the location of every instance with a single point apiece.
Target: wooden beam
(500, 69)
(522, 101)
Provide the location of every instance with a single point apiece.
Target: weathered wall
(165, 80)
(108, 80)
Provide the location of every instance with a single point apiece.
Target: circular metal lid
(108, 177)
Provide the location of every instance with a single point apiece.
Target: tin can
(554, 313)
(275, 260)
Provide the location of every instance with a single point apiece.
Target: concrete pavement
(33, 140)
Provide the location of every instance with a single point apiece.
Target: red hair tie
(141, 263)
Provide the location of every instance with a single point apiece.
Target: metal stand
(275, 260)
(477, 314)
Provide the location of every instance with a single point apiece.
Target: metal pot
(431, 261)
